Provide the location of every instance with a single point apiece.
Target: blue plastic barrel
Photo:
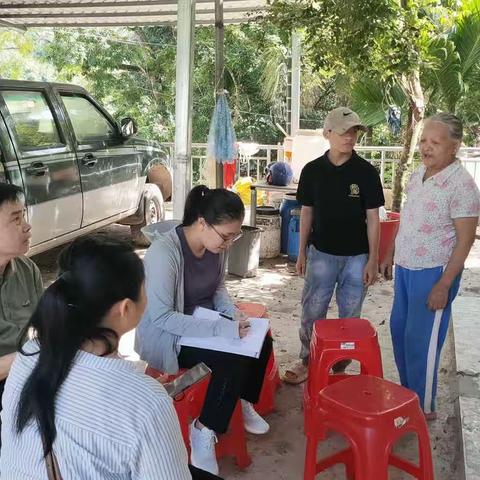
(288, 203)
(293, 235)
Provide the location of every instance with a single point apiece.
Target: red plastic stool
(372, 414)
(234, 441)
(335, 340)
(188, 406)
(181, 402)
(255, 310)
(271, 382)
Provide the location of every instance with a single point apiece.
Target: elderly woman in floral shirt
(437, 231)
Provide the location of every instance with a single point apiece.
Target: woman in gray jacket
(185, 269)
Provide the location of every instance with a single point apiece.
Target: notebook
(249, 346)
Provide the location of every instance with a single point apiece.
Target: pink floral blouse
(427, 236)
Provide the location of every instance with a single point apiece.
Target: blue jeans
(324, 273)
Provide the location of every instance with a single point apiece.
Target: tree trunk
(477, 135)
(416, 112)
(369, 136)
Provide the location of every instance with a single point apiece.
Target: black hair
(10, 193)
(216, 206)
(95, 273)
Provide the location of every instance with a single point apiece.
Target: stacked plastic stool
(372, 413)
(271, 383)
(333, 341)
(188, 406)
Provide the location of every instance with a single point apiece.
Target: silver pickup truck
(79, 168)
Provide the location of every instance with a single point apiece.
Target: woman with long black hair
(185, 269)
(71, 398)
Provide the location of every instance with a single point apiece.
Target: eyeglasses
(225, 239)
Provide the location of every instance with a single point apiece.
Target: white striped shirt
(113, 423)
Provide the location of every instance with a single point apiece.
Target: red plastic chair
(333, 341)
(255, 310)
(188, 406)
(372, 414)
(271, 382)
(388, 231)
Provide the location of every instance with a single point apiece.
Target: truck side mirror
(128, 127)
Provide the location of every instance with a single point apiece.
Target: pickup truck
(80, 169)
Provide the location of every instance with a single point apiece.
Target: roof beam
(158, 13)
(131, 24)
(32, 5)
(15, 26)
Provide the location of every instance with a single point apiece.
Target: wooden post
(219, 70)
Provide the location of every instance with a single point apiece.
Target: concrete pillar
(182, 167)
(295, 83)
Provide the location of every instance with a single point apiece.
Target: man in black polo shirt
(340, 194)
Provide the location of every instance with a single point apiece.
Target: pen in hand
(243, 325)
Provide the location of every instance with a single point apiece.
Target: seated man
(20, 280)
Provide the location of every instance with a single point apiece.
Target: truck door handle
(37, 169)
(89, 160)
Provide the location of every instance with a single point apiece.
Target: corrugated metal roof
(96, 13)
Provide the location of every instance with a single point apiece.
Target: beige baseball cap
(342, 119)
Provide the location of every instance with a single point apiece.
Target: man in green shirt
(20, 280)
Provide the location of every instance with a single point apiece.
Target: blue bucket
(293, 235)
(289, 202)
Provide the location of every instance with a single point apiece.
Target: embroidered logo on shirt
(354, 190)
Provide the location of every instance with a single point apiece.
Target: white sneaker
(202, 445)
(252, 421)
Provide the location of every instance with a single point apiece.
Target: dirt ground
(280, 453)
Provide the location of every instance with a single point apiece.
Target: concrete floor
(280, 453)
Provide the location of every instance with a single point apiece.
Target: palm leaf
(275, 72)
(466, 39)
(371, 99)
(444, 73)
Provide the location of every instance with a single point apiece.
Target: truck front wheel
(153, 212)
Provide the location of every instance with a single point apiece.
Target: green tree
(387, 40)
(454, 78)
(450, 78)
(129, 69)
(247, 50)
(133, 71)
(19, 55)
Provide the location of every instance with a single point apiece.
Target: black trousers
(2, 386)
(198, 474)
(233, 377)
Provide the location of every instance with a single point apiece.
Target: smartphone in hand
(187, 379)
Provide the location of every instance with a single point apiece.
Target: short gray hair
(454, 124)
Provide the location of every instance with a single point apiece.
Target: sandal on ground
(296, 374)
(430, 417)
